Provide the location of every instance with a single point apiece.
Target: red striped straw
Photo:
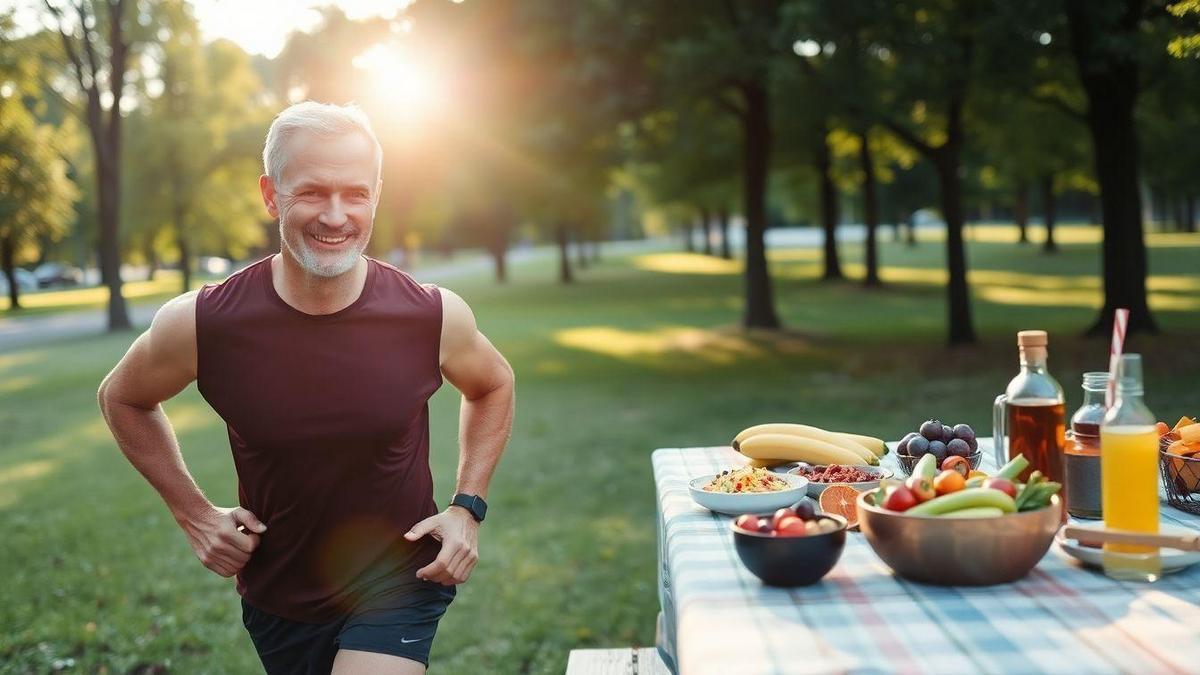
(1120, 321)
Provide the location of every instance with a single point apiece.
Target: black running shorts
(405, 630)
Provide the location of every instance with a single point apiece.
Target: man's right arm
(159, 364)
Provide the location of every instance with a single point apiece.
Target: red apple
(900, 499)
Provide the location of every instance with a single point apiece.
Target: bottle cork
(1033, 344)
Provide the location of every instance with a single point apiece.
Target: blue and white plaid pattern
(1062, 618)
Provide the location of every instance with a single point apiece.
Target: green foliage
(36, 198)
(1185, 46)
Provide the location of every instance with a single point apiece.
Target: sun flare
(408, 84)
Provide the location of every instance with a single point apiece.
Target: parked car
(25, 281)
(57, 274)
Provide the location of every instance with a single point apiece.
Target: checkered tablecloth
(717, 617)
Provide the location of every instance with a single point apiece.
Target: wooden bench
(642, 661)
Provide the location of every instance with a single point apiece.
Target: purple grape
(804, 509)
(958, 446)
(938, 450)
(918, 446)
(931, 430)
(902, 446)
(947, 434)
(964, 432)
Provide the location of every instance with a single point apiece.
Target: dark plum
(959, 447)
(947, 434)
(931, 430)
(804, 509)
(938, 450)
(964, 432)
(918, 446)
(902, 446)
(974, 443)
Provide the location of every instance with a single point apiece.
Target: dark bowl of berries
(940, 440)
(793, 547)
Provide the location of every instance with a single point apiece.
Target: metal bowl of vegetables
(967, 538)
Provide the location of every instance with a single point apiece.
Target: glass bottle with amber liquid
(1029, 417)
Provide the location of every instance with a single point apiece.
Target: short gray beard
(309, 260)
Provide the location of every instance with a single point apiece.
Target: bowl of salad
(747, 490)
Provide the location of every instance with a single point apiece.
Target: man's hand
(217, 541)
(459, 533)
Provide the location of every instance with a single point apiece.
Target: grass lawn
(165, 285)
(643, 352)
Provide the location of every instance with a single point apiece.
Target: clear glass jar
(1081, 454)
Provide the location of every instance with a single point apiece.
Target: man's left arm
(480, 373)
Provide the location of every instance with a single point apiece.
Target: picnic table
(717, 617)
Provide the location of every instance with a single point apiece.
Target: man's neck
(313, 294)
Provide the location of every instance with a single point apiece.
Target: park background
(675, 220)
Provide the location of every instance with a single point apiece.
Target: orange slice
(839, 499)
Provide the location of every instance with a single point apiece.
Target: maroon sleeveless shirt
(329, 426)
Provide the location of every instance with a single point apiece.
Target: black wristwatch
(472, 503)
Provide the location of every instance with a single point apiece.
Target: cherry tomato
(747, 522)
(1002, 484)
(921, 488)
(791, 526)
(956, 463)
(780, 515)
(949, 481)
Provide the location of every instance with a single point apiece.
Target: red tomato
(900, 499)
(780, 515)
(1002, 484)
(956, 463)
(791, 526)
(921, 488)
(949, 481)
(747, 522)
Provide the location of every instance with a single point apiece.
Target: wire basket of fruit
(1179, 461)
(941, 441)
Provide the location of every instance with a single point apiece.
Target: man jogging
(321, 362)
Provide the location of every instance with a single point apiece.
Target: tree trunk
(756, 126)
(961, 329)
(723, 219)
(1049, 212)
(1108, 70)
(185, 255)
(689, 244)
(829, 205)
(1021, 210)
(151, 262)
(870, 209)
(109, 178)
(564, 255)
(706, 230)
(8, 253)
(500, 259)
(581, 259)
(1190, 212)
(911, 225)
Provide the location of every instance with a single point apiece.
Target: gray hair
(324, 119)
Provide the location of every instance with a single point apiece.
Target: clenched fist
(218, 542)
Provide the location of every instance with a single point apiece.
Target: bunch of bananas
(778, 443)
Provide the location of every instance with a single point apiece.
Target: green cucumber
(1014, 468)
(926, 467)
(964, 499)
(975, 512)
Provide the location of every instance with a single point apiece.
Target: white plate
(753, 502)
(1173, 560)
(815, 489)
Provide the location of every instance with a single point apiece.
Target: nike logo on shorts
(404, 642)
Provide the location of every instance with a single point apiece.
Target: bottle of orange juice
(1129, 475)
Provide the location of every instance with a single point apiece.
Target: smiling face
(325, 201)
